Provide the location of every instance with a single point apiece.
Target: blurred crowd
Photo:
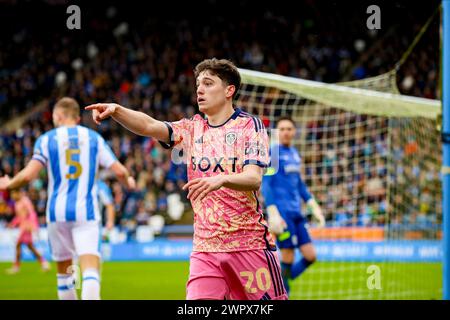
(371, 171)
(144, 60)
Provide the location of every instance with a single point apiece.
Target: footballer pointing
(234, 254)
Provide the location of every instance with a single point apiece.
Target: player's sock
(91, 285)
(299, 267)
(286, 269)
(66, 287)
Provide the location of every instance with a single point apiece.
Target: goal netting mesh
(372, 158)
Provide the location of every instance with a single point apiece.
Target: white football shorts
(73, 239)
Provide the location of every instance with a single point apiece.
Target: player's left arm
(311, 203)
(255, 156)
(24, 177)
(248, 180)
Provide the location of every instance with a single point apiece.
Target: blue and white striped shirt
(72, 156)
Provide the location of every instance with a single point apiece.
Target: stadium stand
(145, 61)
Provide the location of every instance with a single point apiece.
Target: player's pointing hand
(101, 111)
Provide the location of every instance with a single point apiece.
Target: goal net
(372, 158)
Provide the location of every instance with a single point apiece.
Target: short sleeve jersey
(225, 220)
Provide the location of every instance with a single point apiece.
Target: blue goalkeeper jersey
(285, 188)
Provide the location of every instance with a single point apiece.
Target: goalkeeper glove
(276, 222)
(317, 212)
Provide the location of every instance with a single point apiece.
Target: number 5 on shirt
(73, 163)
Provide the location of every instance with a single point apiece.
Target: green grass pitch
(167, 280)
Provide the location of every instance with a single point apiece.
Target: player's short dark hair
(223, 68)
(285, 118)
(69, 106)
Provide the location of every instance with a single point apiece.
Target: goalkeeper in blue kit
(283, 192)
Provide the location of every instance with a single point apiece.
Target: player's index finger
(93, 106)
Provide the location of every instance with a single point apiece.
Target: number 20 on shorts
(263, 281)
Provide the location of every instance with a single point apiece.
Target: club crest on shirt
(230, 138)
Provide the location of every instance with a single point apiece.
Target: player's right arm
(31, 170)
(276, 223)
(24, 177)
(135, 121)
